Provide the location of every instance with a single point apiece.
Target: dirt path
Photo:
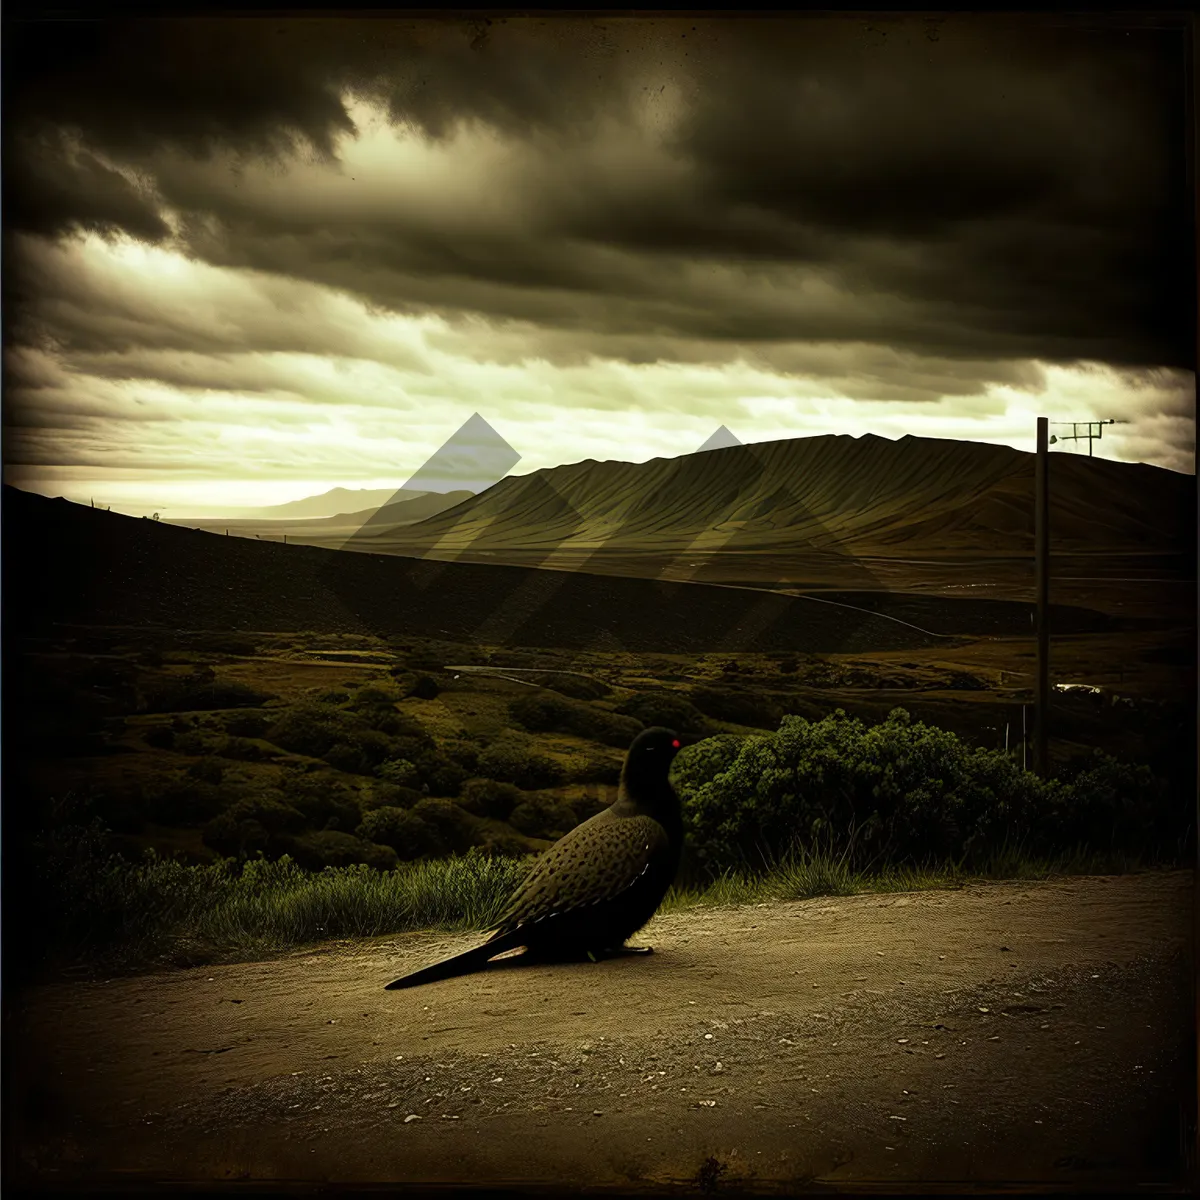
(1000, 1032)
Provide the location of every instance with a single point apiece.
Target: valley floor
(1017, 1032)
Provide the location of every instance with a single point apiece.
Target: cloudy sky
(249, 260)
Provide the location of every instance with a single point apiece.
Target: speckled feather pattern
(592, 865)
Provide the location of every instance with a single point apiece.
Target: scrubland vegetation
(211, 817)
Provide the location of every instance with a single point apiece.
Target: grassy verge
(110, 915)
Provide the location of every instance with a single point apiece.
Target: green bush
(123, 807)
(240, 748)
(236, 838)
(400, 771)
(248, 723)
(202, 690)
(360, 751)
(737, 706)
(196, 741)
(578, 687)
(670, 709)
(490, 798)
(901, 792)
(703, 761)
(498, 844)
(425, 688)
(161, 737)
(442, 776)
(1110, 805)
(543, 816)
(185, 801)
(405, 832)
(549, 713)
(462, 753)
(598, 769)
(508, 760)
(322, 799)
(333, 848)
(313, 729)
(589, 804)
(453, 824)
(382, 794)
(207, 770)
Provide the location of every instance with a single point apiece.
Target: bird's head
(650, 756)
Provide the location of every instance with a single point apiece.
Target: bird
(599, 883)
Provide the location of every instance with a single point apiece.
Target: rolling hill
(72, 565)
(852, 496)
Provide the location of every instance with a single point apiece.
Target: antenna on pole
(1093, 431)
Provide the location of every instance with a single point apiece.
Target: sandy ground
(1002, 1032)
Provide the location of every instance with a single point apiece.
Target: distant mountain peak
(720, 439)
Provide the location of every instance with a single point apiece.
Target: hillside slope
(856, 496)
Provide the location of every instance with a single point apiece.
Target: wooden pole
(1041, 531)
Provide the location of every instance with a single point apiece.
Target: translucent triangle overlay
(719, 439)
(472, 459)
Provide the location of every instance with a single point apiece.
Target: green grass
(112, 915)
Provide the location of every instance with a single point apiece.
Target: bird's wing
(596, 861)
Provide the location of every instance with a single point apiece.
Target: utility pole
(1041, 537)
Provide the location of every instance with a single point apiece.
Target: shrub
(161, 737)
(400, 771)
(498, 844)
(543, 816)
(201, 690)
(670, 709)
(425, 688)
(207, 770)
(122, 807)
(588, 804)
(489, 798)
(195, 742)
(456, 827)
(313, 729)
(247, 723)
(389, 795)
(542, 713)
(323, 800)
(600, 770)
(1111, 805)
(897, 792)
(240, 748)
(370, 696)
(332, 848)
(440, 775)
(737, 706)
(403, 831)
(234, 837)
(359, 752)
(701, 762)
(184, 801)
(507, 760)
(463, 753)
(578, 687)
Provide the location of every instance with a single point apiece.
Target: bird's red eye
(675, 743)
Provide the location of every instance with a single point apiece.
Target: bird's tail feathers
(458, 964)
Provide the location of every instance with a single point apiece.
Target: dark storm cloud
(974, 190)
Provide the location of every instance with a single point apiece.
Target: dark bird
(600, 883)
